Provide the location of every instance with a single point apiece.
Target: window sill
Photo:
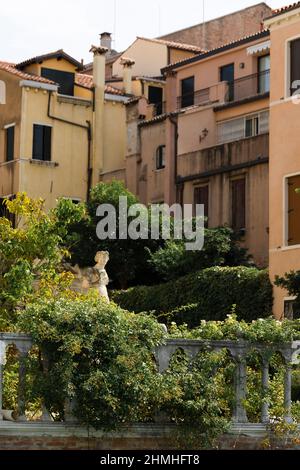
(34, 161)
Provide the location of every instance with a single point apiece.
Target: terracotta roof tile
(11, 68)
(86, 81)
(174, 45)
(286, 9)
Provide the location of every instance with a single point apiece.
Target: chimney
(98, 119)
(105, 41)
(127, 74)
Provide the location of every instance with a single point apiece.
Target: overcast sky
(32, 27)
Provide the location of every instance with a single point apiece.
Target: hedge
(208, 294)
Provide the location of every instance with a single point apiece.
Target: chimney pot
(106, 40)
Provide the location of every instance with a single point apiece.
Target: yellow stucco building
(58, 128)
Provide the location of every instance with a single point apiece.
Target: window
(187, 92)
(10, 143)
(41, 142)
(251, 126)
(264, 74)
(161, 157)
(238, 204)
(227, 75)
(293, 210)
(65, 80)
(155, 96)
(201, 195)
(294, 66)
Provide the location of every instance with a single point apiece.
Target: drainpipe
(127, 74)
(99, 54)
(174, 121)
(88, 129)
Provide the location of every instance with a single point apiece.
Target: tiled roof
(60, 54)
(286, 9)
(174, 45)
(11, 68)
(218, 50)
(87, 82)
(154, 120)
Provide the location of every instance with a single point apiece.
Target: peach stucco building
(284, 150)
(211, 146)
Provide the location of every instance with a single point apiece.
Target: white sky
(32, 27)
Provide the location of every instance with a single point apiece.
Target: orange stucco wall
(284, 156)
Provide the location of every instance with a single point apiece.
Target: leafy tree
(221, 248)
(291, 282)
(30, 254)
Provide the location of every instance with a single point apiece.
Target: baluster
(288, 392)
(265, 418)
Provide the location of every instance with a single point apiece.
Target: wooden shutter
(10, 143)
(47, 143)
(238, 204)
(201, 195)
(295, 64)
(293, 211)
(37, 152)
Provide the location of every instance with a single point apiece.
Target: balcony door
(227, 75)
(264, 74)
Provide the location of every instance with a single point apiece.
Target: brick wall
(224, 29)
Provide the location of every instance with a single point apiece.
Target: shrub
(208, 294)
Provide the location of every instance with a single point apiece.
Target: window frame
(241, 230)
(183, 96)
(285, 208)
(287, 75)
(7, 128)
(160, 159)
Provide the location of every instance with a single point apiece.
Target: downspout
(174, 121)
(88, 129)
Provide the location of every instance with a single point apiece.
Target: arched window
(160, 157)
(2, 92)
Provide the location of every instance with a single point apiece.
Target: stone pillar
(265, 418)
(239, 412)
(288, 392)
(98, 118)
(2, 363)
(127, 74)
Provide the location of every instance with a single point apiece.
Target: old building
(284, 149)
(212, 145)
(57, 128)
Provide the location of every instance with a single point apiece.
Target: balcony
(251, 86)
(159, 108)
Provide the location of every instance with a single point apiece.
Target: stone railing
(239, 351)
(22, 344)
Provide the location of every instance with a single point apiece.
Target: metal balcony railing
(192, 99)
(246, 87)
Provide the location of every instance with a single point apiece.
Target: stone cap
(98, 50)
(126, 62)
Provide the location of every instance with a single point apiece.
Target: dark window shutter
(295, 65)
(293, 211)
(238, 204)
(10, 143)
(65, 80)
(37, 152)
(41, 142)
(187, 92)
(47, 143)
(201, 196)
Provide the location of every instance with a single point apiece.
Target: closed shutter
(264, 122)
(10, 143)
(295, 65)
(41, 142)
(238, 204)
(47, 143)
(230, 131)
(293, 211)
(201, 196)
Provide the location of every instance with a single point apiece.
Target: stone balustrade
(239, 351)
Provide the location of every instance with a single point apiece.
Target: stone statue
(92, 278)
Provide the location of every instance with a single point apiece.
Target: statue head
(101, 258)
